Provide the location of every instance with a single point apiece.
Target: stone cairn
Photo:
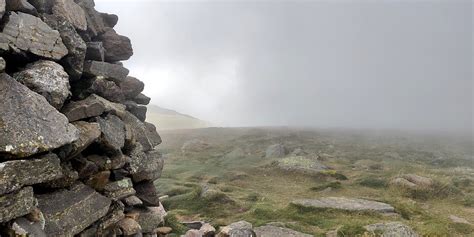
(76, 155)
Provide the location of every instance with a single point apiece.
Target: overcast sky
(355, 63)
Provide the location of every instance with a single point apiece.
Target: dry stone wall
(76, 155)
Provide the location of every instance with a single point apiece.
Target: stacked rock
(76, 155)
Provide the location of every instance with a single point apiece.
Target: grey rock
(142, 99)
(2, 7)
(88, 133)
(3, 64)
(346, 204)
(113, 133)
(84, 167)
(95, 51)
(19, 34)
(42, 6)
(30, 125)
(117, 47)
(21, 5)
(73, 62)
(151, 217)
(80, 207)
(139, 130)
(147, 192)
(95, 22)
(148, 167)
(91, 106)
(48, 79)
(110, 20)
(207, 230)
(72, 12)
(132, 201)
(392, 229)
(109, 163)
(129, 226)
(237, 229)
(138, 110)
(16, 204)
(115, 214)
(119, 189)
(99, 180)
(68, 178)
(152, 134)
(109, 71)
(274, 231)
(15, 174)
(100, 86)
(131, 87)
(23, 227)
(275, 151)
(302, 164)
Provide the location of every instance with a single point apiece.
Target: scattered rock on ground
(302, 164)
(275, 151)
(274, 231)
(194, 145)
(392, 229)
(345, 204)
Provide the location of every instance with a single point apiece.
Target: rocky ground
(76, 155)
(303, 182)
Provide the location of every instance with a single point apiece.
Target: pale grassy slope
(165, 119)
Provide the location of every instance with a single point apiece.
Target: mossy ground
(260, 192)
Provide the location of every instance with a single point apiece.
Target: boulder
(117, 47)
(275, 151)
(149, 168)
(23, 227)
(119, 189)
(391, 229)
(80, 207)
(152, 134)
(275, 231)
(88, 133)
(302, 164)
(48, 79)
(110, 71)
(113, 133)
(150, 218)
(18, 33)
(345, 204)
(21, 5)
(29, 124)
(95, 51)
(146, 191)
(237, 229)
(129, 226)
(15, 174)
(138, 111)
(73, 62)
(131, 87)
(142, 99)
(17, 203)
(86, 108)
(72, 12)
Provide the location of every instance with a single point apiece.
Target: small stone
(119, 189)
(110, 20)
(138, 110)
(15, 174)
(207, 230)
(148, 167)
(95, 22)
(88, 133)
(113, 133)
(395, 229)
(147, 192)
(100, 86)
(42, 6)
(80, 207)
(129, 226)
(117, 47)
(460, 220)
(18, 33)
(23, 227)
(109, 71)
(164, 230)
(142, 99)
(95, 51)
(115, 214)
(152, 134)
(132, 201)
(131, 87)
(16, 204)
(151, 217)
(72, 12)
(237, 229)
(48, 79)
(29, 124)
(20, 5)
(86, 108)
(68, 178)
(99, 180)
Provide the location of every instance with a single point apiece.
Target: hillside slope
(167, 119)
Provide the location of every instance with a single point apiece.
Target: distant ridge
(168, 119)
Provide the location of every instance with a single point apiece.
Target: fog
(357, 64)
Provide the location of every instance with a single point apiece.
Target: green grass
(254, 189)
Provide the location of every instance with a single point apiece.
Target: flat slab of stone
(30, 33)
(15, 174)
(275, 231)
(119, 189)
(28, 123)
(69, 211)
(392, 229)
(113, 72)
(345, 204)
(302, 164)
(16, 204)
